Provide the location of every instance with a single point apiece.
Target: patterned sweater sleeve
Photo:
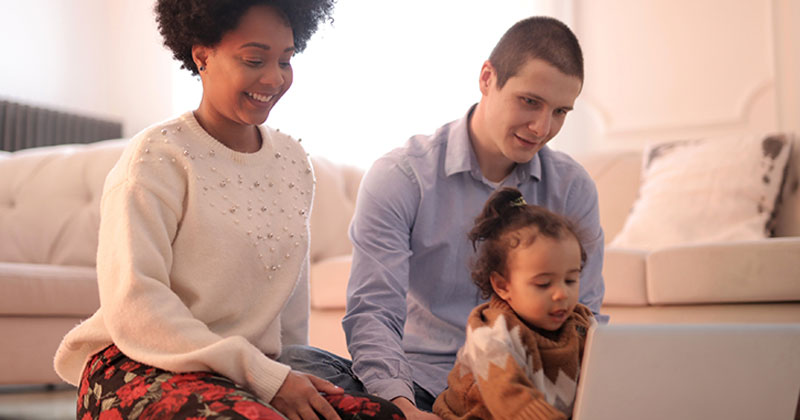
(492, 378)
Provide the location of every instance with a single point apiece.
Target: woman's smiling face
(249, 70)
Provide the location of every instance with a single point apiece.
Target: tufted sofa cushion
(50, 201)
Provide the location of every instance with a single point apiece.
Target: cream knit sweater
(202, 260)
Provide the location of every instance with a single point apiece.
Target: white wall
(52, 53)
(787, 36)
(655, 69)
(663, 69)
(98, 57)
(142, 81)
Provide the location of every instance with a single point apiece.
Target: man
(410, 290)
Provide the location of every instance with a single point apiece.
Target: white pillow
(708, 190)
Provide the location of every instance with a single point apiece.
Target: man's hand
(299, 399)
(411, 411)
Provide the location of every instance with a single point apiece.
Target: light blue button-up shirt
(410, 288)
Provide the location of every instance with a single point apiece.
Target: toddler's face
(542, 281)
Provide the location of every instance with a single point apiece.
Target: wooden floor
(37, 403)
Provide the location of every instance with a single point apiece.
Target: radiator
(24, 126)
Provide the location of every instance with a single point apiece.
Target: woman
(203, 248)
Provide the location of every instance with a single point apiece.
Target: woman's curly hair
(185, 23)
(502, 226)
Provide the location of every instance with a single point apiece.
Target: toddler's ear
(499, 284)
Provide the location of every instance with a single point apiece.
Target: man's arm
(582, 208)
(376, 293)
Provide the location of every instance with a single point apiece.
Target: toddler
(523, 348)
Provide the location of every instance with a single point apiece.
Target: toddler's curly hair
(505, 223)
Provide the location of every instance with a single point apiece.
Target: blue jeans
(339, 371)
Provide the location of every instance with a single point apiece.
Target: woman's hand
(299, 399)
(411, 411)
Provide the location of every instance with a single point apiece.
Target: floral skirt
(114, 386)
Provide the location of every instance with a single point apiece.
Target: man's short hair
(539, 37)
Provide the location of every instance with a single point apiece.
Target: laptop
(690, 371)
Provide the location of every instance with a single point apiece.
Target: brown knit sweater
(506, 370)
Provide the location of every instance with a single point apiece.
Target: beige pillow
(709, 190)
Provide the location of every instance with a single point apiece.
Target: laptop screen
(690, 371)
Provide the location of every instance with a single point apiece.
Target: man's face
(528, 110)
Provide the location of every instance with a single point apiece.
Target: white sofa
(49, 220)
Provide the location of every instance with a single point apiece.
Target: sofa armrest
(749, 271)
(624, 277)
(329, 279)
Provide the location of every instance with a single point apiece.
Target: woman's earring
(202, 68)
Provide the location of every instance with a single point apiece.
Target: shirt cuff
(389, 389)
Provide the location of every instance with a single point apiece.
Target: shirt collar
(460, 157)
(531, 169)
